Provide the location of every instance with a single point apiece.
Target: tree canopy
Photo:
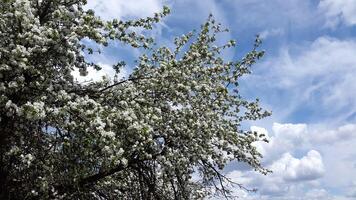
(176, 116)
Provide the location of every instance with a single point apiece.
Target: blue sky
(307, 78)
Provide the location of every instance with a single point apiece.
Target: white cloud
(290, 132)
(94, 75)
(120, 9)
(290, 174)
(338, 11)
(324, 56)
(309, 167)
(271, 33)
(291, 177)
(352, 190)
(274, 14)
(318, 76)
(308, 162)
(285, 138)
(109, 9)
(318, 194)
(342, 133)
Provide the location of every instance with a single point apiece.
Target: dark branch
(121, 82)
(96, 177)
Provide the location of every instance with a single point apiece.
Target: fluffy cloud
(293, 171)
(342, 133)
(107, 71)
(309, 167)
(339, 11)
(109, 9)
(290, 132)
(285, 138)
(308, 162)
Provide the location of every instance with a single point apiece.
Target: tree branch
(121, 82)
(96, 177)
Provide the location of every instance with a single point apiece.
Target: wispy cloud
(316, 78)
(338, 12)
(271, 33)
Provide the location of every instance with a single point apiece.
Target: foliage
(177, 115)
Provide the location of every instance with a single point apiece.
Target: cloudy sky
(307, 79)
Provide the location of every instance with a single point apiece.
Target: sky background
(307, 79)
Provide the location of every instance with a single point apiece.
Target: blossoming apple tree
(177, 115)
